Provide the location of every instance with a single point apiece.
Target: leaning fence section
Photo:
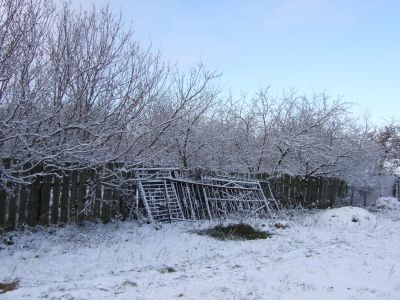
(213, 199)
(168, 196)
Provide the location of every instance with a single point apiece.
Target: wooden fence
(311, 192)
(55, 196)
(103, 193)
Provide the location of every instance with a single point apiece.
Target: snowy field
(346, 253)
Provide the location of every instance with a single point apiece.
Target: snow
(314, 257)
(348, 217)
(393, 166)
(388, 203)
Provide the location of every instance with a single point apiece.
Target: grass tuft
(239, 231)
(167, 270)
(9, 286)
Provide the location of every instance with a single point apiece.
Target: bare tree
(77, 89)
(197, 91)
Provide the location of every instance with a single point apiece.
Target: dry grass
(240, 231)
(9, 286)
(279, 225)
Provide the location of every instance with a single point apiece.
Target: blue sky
(346, 48)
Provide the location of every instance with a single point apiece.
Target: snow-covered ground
(388, 203)
(345, 253)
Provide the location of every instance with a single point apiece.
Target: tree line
(77, 90)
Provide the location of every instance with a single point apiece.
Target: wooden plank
(90, 193)
(34, 200)
(310, 200)
(3, 206)
(23, 204)
(318, 187)
(11, 203)
(106, 204)
(126, 196)
(64, 199)
(55, 206)
(96, 214)
(288, 185)
(81, 196)
(73, 196)
(123, 205)
(12, 207)
(23, 215)
(4, 194)
(291, 193)
(115, 206)
(45, 199)
(322, 194)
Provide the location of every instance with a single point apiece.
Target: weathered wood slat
(81, 196)
(73, 196)
(115, 207)
(106, 205)
(34, 202)
(96, 215)
(107, 202)
(23, 203)
(12, 207)
(64, 198)
(55, 206)
(44, 204)
(3, 206)
(90, 196)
